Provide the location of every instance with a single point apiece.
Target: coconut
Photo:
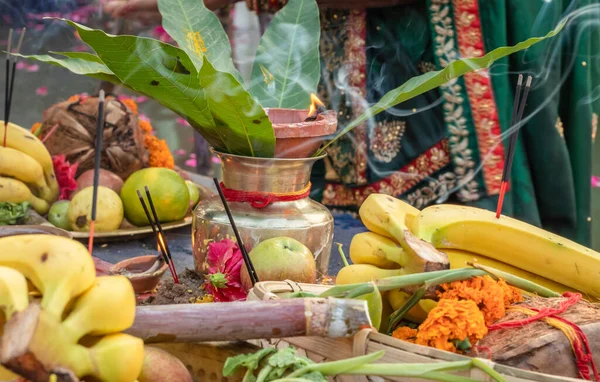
(123, 150)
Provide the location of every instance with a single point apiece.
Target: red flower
(65, 175)
(225, 261)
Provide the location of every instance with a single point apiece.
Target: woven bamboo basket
(369, 341)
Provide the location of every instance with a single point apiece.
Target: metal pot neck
(266, 174)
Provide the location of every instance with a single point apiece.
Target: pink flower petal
(182, 121)
(191, 162)
(180, 152)
(192, 155)
(144, 117)
(595, 181)
(141, 99)
(41, 91)
(21, 65)
(215, 160)
(33, 68)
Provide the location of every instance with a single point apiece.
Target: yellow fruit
(23, 140)
(15, 191)
(91, 315)
(109, 210)
(194, 193)
(392, 218)
(15, 164)
(169, 193)
(418, 313)
(374, 249)
(460, 259)
(359, 273)
(58, 267)
(13, 292)
(511, 241)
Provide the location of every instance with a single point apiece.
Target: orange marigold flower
(35, 127)
(145, 126)
(74, 98)
(130, 104)
(452, 320)
(405, 333)
(160, 155)
(486, 292)
(511, 294)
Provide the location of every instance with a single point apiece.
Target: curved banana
(15, 164)
(359, 273)
(93, 312)
(15, 191)
(372, 248)
(59, 268)
(117, 358)
(13, 292)
(392, 218)
(23, 140)
(510, 241)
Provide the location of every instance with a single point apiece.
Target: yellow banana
(511, 241)
(15, 164)
(94, 311)
(15, 191)
(418, 313)
(13, 292)
(116, 357)
(23, 140)
(59, 268)
(392, 218)
(372, 248)
(460, 259)
(359, 273)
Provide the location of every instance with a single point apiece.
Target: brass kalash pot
(287, 174)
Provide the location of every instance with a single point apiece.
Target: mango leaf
(166, 73)
(154, 68)
(82, 63)
(431, 80)
(287, 65)
(199, 32)
(241, 122)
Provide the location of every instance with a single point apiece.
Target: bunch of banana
(26, 170)
(471, 235)
(73, 331)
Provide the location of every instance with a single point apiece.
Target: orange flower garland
(491, 296)
(464, 311)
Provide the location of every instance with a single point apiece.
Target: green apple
(58, 214)
(281, 258)
(194, 193)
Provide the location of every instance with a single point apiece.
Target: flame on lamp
(316, 106)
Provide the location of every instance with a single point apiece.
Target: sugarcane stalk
(247, 320)
(517, 282)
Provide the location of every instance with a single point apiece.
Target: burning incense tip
(316, 107)
(10, 32)
(529, 79)
(21, 40)
(520, 81)
(101, 96)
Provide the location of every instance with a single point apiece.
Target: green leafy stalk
(287, 64)
(342, 254)
(517, 282)
(397, 316)
(337, 367)
(399, 282)
(431, 80)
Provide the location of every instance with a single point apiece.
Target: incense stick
(160, 231)
(97, 159)
(517, 115)
(7, 84)
(249, 265)
(161, 246)
(10, 86)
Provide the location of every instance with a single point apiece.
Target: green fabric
(550, 179)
